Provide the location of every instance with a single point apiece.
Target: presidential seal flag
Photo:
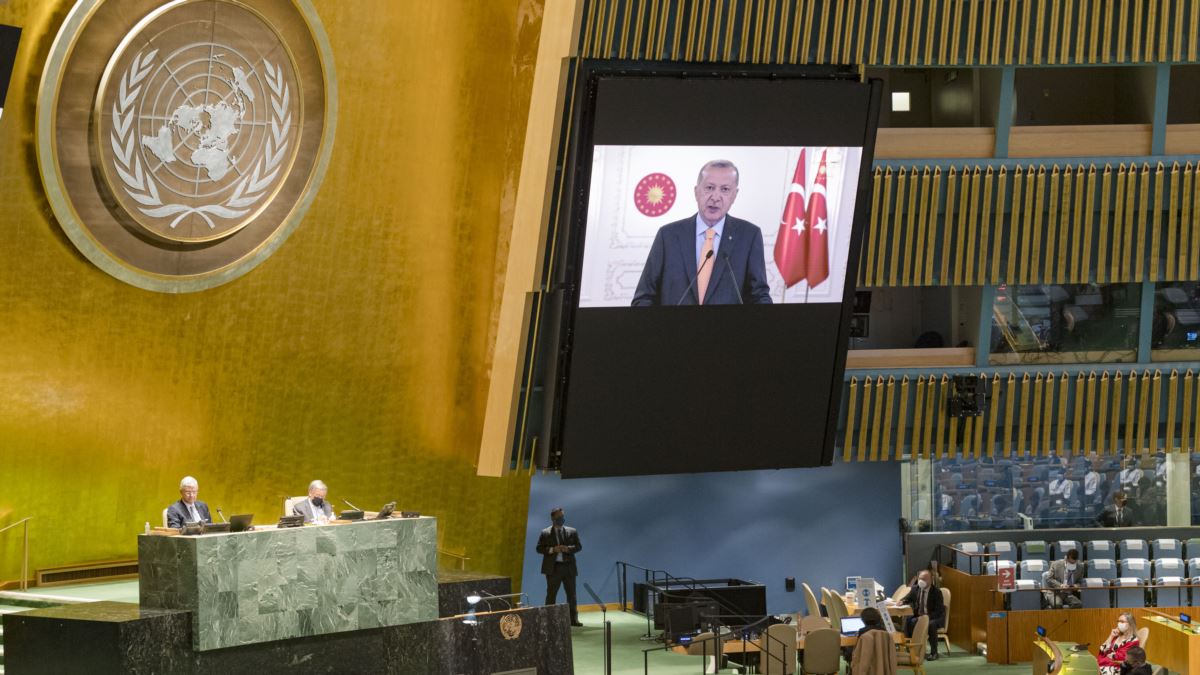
(209, 132)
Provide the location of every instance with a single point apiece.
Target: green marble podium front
(272, 584)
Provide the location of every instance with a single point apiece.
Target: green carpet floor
(588, 647)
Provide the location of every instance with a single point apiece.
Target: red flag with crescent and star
(818, 238)
(791, 246)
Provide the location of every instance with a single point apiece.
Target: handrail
(23, 584)
(12, 525)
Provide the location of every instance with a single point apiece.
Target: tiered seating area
(1047, 492)
(1124, 573)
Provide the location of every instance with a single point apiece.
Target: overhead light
(900, 101)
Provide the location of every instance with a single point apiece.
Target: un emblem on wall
(181, 142)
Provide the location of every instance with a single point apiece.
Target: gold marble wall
(357, 354)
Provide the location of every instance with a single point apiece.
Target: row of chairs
(968, 555)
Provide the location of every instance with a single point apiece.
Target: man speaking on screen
(711, 258)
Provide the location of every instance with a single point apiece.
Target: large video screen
(711, 245)
(777, 219)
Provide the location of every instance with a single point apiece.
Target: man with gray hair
(711, 258)
(188, 509)
(315, 509)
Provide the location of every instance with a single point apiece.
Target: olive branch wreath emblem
(140, 185)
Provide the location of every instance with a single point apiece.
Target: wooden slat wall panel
(893, 32)
(1043, 228)
(1035, 413)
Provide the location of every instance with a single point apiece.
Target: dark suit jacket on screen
(177, 513)
(671, 266)
(934, 606)
(1109, 517)
(546, 541)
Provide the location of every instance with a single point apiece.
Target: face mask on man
(922, 584)
(318, 501)
(1071, 566)
(559, 521)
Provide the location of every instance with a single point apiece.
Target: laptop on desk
(241, 523)
(851, 625)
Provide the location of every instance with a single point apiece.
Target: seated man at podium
(188, 509)
(315, 509)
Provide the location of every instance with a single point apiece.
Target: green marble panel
(265, 585)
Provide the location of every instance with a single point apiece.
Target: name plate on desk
(274, 584)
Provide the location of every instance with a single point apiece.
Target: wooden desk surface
(894, 610)
(740, 647)
(1173, 646)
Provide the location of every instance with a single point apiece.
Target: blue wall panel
(817, 525)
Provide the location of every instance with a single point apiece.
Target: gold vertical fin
(968, 263)
(1010, 396)
(1118, 227)
(1014, 226)
(1172, 225)
(1185, 412)
(1102, 445)
(1089, 417)
(851, 408)
(879, 420)
(901, 420)
(1156, 221)
(1137, 219)
(993, 420)
(865, 424)
(1084, 269)
(884, 222)
(995, 216)
(1023, 418)
(1077, 413)
(901, 206)
(1052, 214)
(1168, 441)
(1102, 229)
(928, 244)
(1035, 446)
(940, 402)
(1052, 46)
(946, 248)
(1185, 214)
(1039, 198)
(915, 444)
(914, 249)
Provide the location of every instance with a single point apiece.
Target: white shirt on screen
(1131, 477)
(1091, 483)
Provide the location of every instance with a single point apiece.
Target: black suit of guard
(560, 573)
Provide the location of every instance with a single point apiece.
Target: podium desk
(273, 584)
(1057, 658)
(1172, 644)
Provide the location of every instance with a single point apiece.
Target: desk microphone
(732, 278)
(347, 501)
(695, 277)
(497, 597)
(220, 513)
(1060, 625)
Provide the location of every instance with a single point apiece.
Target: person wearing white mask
(1131, 475)
(1113, 649)
(1060, 489)
(1063, 577)
(926, 600)
(1091, 486)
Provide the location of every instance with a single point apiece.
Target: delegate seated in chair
(1063, 577)
(926, 600)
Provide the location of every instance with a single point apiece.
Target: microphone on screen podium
(732, 277)
(355, 514)
(222, 514)
(694, 278)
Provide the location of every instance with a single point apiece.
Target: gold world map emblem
(510, 626)
(181, 142)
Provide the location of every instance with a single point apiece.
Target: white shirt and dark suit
(559, 568)
(180, 513)
(926, 602)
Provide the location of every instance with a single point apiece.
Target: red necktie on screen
(704, 272)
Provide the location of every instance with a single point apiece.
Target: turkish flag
(818, 237)
(791, 246)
